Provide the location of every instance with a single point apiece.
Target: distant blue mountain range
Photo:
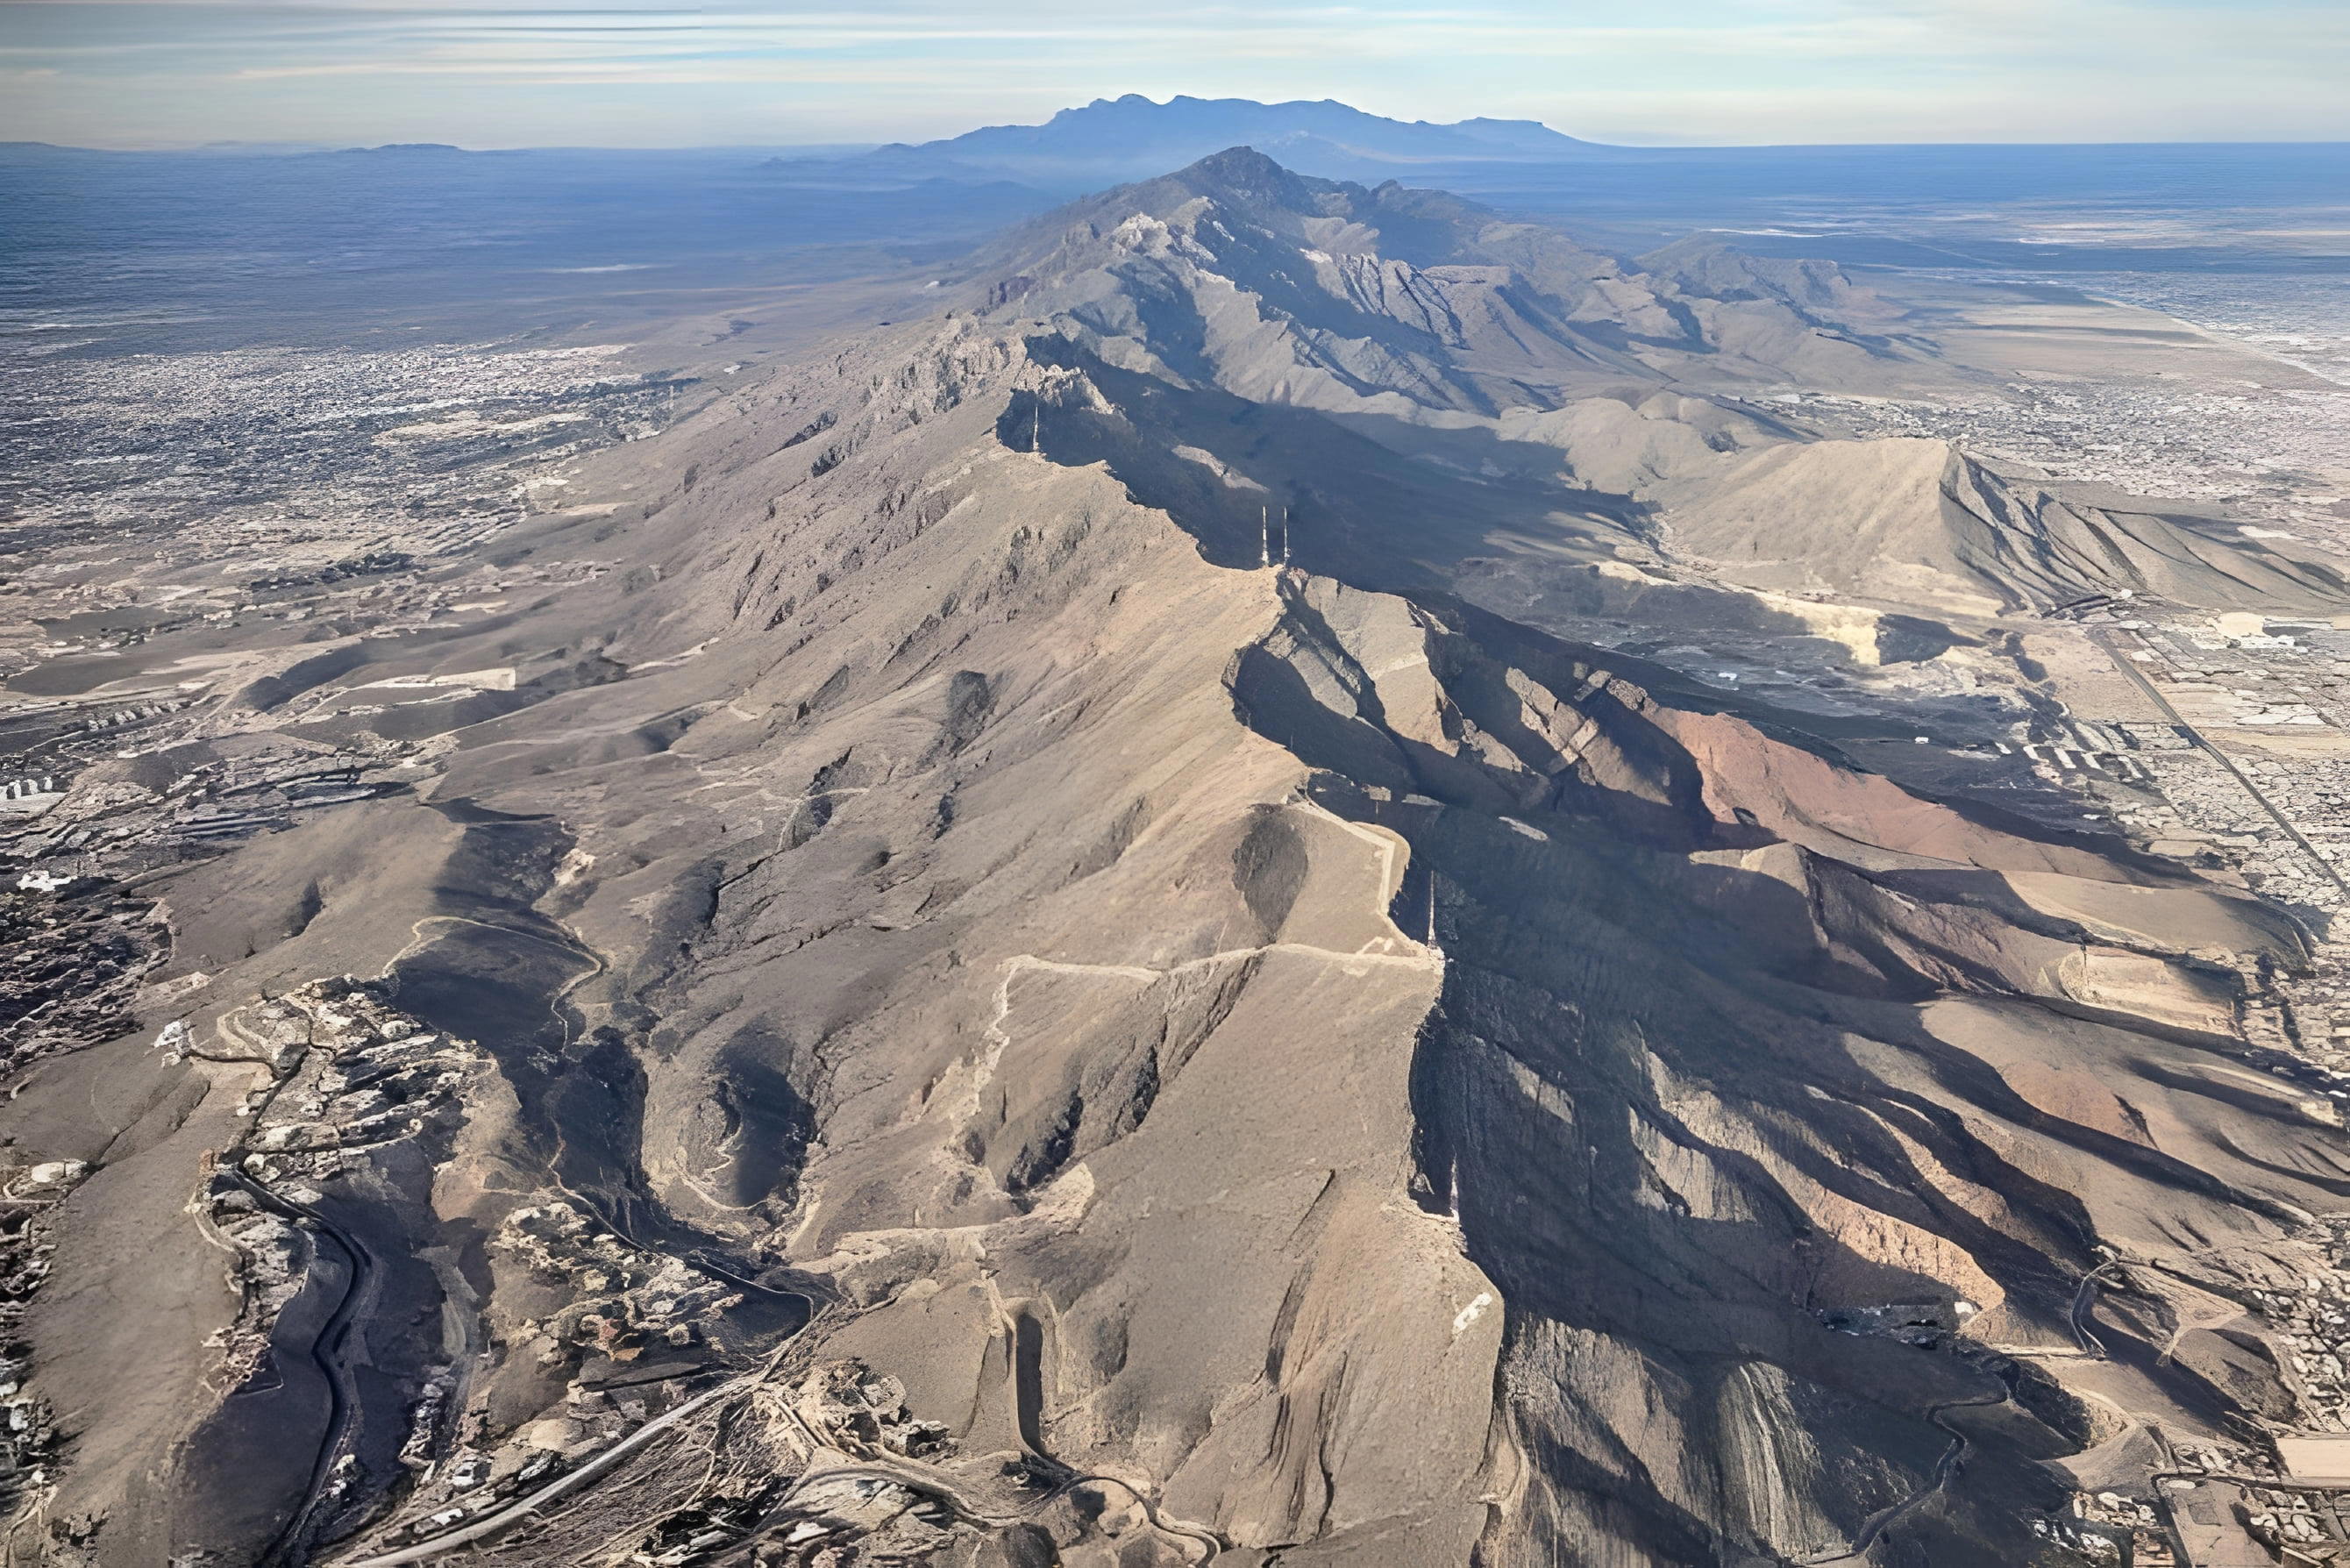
(1134, 137)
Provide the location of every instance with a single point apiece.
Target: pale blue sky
(144, 74)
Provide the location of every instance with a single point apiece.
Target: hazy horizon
(1718, 73)
(844, 147)
(295, 146)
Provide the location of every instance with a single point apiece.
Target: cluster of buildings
(2302, 317)
(2253, 450)
(349, 1074)
(287, 447)
(132, 813)
(2238, 764)
(628, 1304)
(2235, 759)
(73, 969)
(822, 1455)
(150, 494)
(28, 1429)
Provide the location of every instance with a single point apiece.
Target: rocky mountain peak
(1239, 272)
(1132, 135)
(1245, 175)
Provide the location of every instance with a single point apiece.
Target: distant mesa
(44, 152)
(402, 149)
(36, 151)
(223, 151)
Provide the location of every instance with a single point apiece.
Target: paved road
(2128, 667)
(291, 1545)
(909, 1474)
(513, 1512)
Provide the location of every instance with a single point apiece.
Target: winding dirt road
(1944, 1468)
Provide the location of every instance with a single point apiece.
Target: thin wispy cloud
(1724, 70)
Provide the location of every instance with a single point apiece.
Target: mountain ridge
(1111, 139)
(1036, 965)
(1134, 124)
(1622, 394)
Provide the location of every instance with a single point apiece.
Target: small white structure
(29, 796)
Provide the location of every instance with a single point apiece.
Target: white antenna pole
(1432, 905)
(1285, 535)
(1037, 422)
(1264, 536)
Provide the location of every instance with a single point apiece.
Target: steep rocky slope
(981, 999)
